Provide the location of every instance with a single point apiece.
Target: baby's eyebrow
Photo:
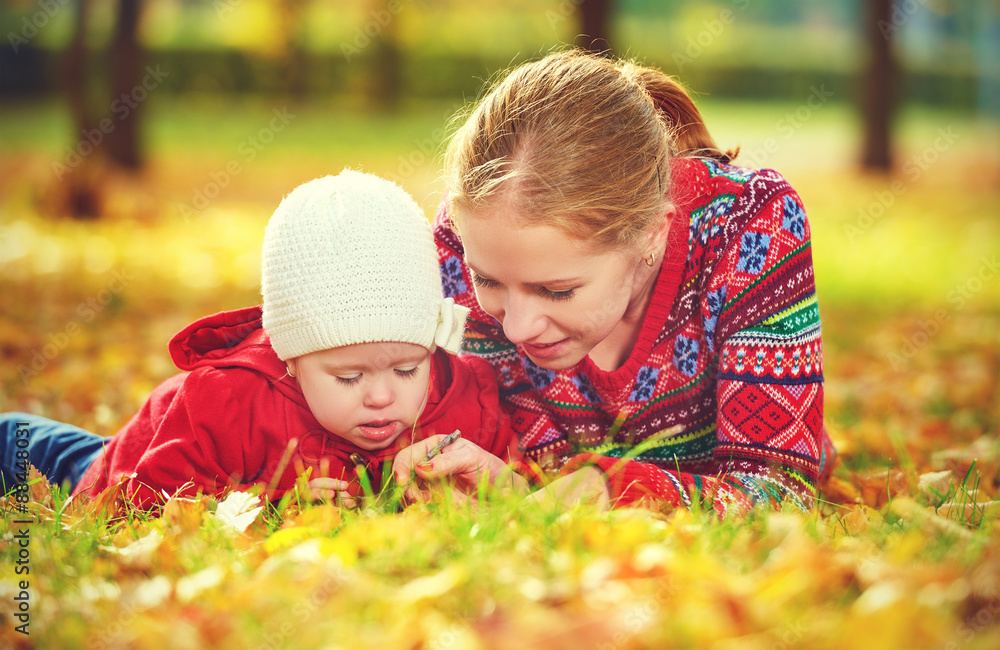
(341, 370)
(414, 359)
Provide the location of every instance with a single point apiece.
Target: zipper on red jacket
(361, 465)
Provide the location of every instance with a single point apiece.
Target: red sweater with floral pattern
(721, 399)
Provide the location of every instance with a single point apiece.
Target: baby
(349, 360)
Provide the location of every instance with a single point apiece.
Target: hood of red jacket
(236, 339)
(232, 339)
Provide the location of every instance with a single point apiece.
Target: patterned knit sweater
(721, 399)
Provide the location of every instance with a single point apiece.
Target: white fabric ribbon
(451, 324)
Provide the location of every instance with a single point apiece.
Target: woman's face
(555, 296)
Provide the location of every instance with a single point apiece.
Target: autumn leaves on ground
(903, 552)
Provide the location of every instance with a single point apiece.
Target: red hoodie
(236, 419)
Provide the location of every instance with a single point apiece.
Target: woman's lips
(545, 350)
(378, 431)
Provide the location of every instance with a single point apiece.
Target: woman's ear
(658, 238)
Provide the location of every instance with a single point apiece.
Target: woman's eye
(348, 381)
(486, 283)
(407, 372)
(565, 294)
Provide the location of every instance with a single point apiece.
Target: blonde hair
(579, 142)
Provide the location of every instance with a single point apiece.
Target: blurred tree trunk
(110, 134)
(595, 25)
(879, 87)
(75, 69)
(79, 195)
(387, 56)
(124, 141)
(295, 63)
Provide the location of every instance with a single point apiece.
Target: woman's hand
(331, 489)
(587, 485)
(463, 461)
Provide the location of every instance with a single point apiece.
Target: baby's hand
(332, 489)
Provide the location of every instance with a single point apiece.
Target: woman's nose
(521, 319)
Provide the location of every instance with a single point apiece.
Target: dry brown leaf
(877, 488)
(859, 519)
(907, 509)
(939, 482)
(110, 504)
(970, 513)
(39, 487)
(837, 490)
(183, 515)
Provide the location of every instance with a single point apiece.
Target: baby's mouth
(378, 431)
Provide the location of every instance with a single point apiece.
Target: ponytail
(691, 136)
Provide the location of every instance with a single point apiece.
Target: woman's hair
(579, 142)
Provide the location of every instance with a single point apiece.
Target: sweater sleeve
(762, 319)
(201, 438)
(499, 438)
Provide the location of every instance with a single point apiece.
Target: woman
(649, 308)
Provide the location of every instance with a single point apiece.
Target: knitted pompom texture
(348, 259)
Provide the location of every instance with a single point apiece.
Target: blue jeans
(60, 451)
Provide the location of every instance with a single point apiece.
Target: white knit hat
(351, 259)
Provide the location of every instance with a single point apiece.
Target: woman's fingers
(587, 485)
(414, 494)
(408, 458)
(461, 458)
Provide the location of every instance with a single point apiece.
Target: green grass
(431, 573)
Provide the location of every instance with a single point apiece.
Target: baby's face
(368, 393)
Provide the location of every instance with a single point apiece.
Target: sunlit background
(143, 146)
(145, 143)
